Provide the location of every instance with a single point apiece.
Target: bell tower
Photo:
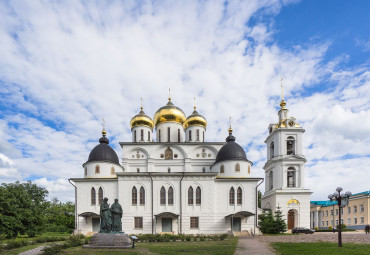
(284, 170)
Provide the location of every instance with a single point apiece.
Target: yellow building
(356, 215)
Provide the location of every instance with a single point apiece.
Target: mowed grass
(224, 247)
(25, 237)
(321, 248)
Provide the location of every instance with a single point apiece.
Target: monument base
(109, 241)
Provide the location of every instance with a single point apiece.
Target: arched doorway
(291, 219)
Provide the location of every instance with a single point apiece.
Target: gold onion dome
(141, 119)
(169, 113)
(195, 119)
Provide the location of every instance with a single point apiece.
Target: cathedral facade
(176, 182)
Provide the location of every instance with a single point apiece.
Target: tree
(272, 224)
(259, 199)
(280, 225)
(21, 209)
(59, 217)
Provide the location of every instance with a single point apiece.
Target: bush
(16, 244)
(188, 238)
(223, 236)
(330, 228)
(344, 226)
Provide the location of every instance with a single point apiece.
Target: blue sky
(65, 66)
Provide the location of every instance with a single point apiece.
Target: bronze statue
(116, 211)
(105, 217)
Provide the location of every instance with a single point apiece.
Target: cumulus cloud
(65, 66)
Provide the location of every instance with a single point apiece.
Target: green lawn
(22, 249)
(321, 248)
(25, 237)
(224, 247)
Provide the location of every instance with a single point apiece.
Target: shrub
(188, 238)
(223, 236)
(344, 226)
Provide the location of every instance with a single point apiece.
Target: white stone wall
(194, 137)
(106, 170)
(230, 168)
(174, 127)
(147, 134)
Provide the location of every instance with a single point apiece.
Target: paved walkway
(35, 251)
(251, 245)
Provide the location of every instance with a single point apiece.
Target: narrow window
(142, 195)
(148, 136)
(170, 196)
(168, 134)
(178, 135)
(97, 169)
(349, 209)
(189, 135)
(163, 196)
(232, 196)
(355, 220)
(362, 208)
(134, 196)
(159, 135)
(237, 167)
(194, 222)
(100, 195)
(349, 221)
(239, 196)
(112, 171)
(93, 196)
(138, 222)
(290, 145)
(249, 169)
(203, 136)
(271, 180)
(355, 209)
(198, 196)
(85, 170)
(190, 196)
(272, 149)
(222, 169)
(135, 136)
(142, 135)
(197, 135)
(291, 177)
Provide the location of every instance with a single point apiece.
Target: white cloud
(65, 66)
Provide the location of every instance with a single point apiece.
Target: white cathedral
(179, 183)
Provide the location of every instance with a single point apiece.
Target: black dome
(103, 152)
(231, 151)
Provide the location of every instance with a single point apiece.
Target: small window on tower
(237, 167)
(222, 169)
(97, 169)
(159, 135)
(112, 171)
(203, 136)
(178, 135)
(148, 136)
(141, 135)
(291, 177)
(198, 135)
(272, 148)
(189, 135)
(290, 145)
(85, 170)
(168, 134)
(135, 136)
(249, 169)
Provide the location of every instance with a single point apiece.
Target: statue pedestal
(109, 241)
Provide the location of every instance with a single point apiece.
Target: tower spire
(103, 131)
(195, 107)
(230, 128)
(282, 103)
(141, 103)
(169, 94)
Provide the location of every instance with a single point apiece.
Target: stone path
(250, 245)
(35, 251)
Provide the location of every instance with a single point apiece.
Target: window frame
(239, 196)
(198, 196)
(194, 222)
(163, 196)
(134, 196)
(93, 196)
(170, 196)
(138, 222)
(190, 196)
(232, 196)
(142, 196)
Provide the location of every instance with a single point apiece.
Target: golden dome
(282, 104)
(141, 119)
(195, 119)
(169, 113)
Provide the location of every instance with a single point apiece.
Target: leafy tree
(272, 224)
(59, 217)
(21, 208)
(259, 199)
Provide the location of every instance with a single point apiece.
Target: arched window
(134, 196)
(142, 135)
(232, 196)
(197, 135)
(272, 148)
(142, 195)
(271, 180)
(190, 196)
(198, 196)
(168, 134)
(203, 136)
(85, 170)
(148, 136)
(100, 195)
(135, 136)
(159, 135)
(170, 196)
(112, 171)
(290, 146)
(239, 196)
(97, 169)
(249, 169)
(178, 135)
(237, 167)
(189, 135)
(163, 196)
(222, 169)
(93, 196)
(291, 177)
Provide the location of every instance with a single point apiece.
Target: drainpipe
(256, 215)
(76, 219)
(181, 202)
(151, 181)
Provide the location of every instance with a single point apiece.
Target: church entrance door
(95, 224)
(237, 224)
(290, 219)
(166, 224)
